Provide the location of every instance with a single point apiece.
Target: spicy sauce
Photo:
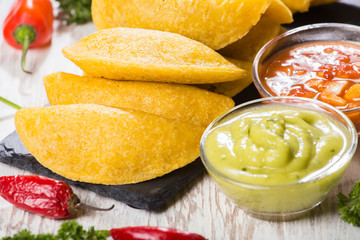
(327, 71)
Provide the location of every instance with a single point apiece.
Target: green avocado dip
(277, 145)
(278, 160)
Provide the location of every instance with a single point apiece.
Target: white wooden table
(199, 208)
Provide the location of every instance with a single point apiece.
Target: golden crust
(279, 12)
(150, 55)
(232, 88)
(246, 48)
(216, 23)
(174, 101)
(297, 5)
(103, 145)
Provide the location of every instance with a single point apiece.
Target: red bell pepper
(152, 233)
(41, 195)
(29, 24)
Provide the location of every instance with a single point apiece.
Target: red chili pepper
(152, 233)
(29, 24)
(41, 195)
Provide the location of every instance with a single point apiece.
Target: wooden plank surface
(200, 208)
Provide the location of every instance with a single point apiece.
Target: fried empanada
(103, 145)
(174, 101)
(279, 12)
(150, 55)
(216, 23)
(232, 88)
(246, 48)
(297, 5)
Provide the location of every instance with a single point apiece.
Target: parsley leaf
(26, 235)
(72, 230)
(75, 11)
(68, 230)
(349, 207)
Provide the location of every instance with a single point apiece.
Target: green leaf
(26, 235)
(72, 230)
(69, 230)
(355, 192)
(76, 11)
(349, 207)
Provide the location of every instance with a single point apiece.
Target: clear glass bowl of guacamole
(278, 157)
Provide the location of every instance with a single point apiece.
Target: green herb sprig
(349, 207)
(68, 230)
(75, 11)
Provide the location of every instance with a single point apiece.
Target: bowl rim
(255, 74)
(323, 172)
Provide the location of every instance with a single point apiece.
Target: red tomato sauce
(327, 71)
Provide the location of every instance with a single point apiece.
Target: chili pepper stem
(74, 204)
(11, 104)
(84, 206)
(26, 45)
(25, 35)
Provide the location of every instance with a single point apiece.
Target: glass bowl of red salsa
(318, 61)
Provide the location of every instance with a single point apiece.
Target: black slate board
(342, 11)
(148, 195)
(153, 194)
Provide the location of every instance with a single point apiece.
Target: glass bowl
(306, 34)
(275, 197)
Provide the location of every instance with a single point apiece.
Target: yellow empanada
(216, 23)
(246, 48)
(174, 101)
(98, 144)
(150, 55)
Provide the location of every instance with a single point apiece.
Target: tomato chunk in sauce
(327, 71)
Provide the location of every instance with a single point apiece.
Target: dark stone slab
(149, 195)
(342, 11)
(248, 94)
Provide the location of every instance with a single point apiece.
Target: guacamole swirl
(277, 145)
